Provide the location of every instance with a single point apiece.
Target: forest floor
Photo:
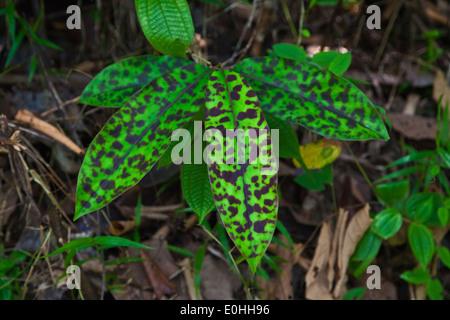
(44, 132)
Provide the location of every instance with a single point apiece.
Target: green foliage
(19, 29)
(330, 105)
(416, 276)
(387, 223)
(316, 179)
(245, 196)
(167, 24)
(354, 294)
(422, 243)
(197, 189)
(158, 95)
(104, 242)
(10, 270)
(117, 83)
(409, 204)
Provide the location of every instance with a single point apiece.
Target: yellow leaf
(318, 155)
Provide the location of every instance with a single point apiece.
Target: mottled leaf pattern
(115, 84)
(312, 97)
(167, 24)
(245, 196)
(137, 135)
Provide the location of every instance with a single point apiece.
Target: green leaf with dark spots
(115, 84)
(167, 25)
(197, 189)
(245, 192)
(315, 98)
(137, 135)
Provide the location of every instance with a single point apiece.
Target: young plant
(159, 94)
(423, 214)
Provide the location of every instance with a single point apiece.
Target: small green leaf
(180, 250)
(423, 211)
(444, 255)
(316, 179)
(445, 157)
(289, 51)
(341, 63)
(387, 223)
(11, 20)
(400, 173)
(110, 241)
(33, 66)
(434, 289)
(107, 241)
(396, 191)
(115, 84)
(416, 276)
(284, 232)
(325, 58)
(167, 25)
(354, 294)
(422, 243)
(415, 156)
(443, 214)
(198, 263)
(423, 207)
(289, 148)
(197, 189)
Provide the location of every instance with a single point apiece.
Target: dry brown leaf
(316, 277)
(356, 228)
(160, 282)
(44, 127)
(414, 127)
(336, 245)
(118, 228)
(327, 275)
(441, 87)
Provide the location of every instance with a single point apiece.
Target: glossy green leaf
(416, 276)
(137, 135)
(167, 25)
(244, 187)
(317, 99)
(444, 255)
(388, 193)
(387, 223)
(115, 84)
(422, 243)
(197, 189)
(434, 289)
